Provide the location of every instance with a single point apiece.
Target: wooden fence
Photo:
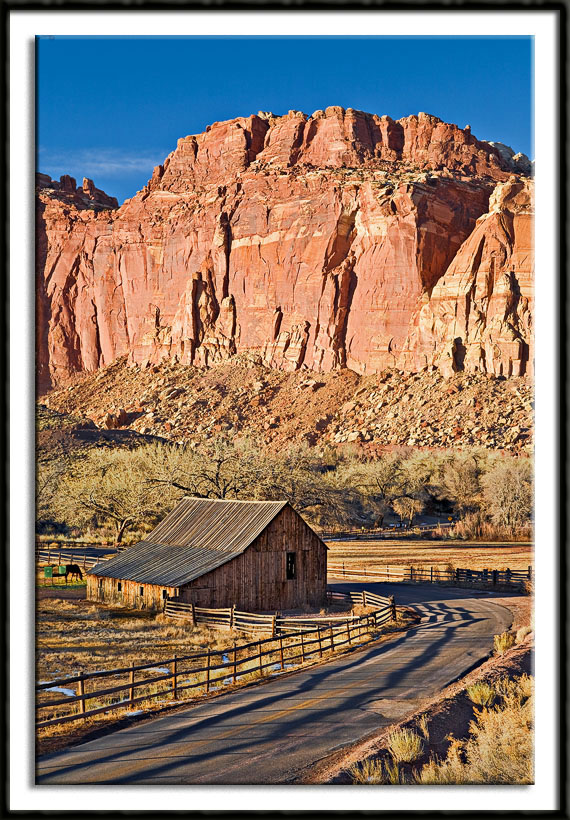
(275, 623)
(378, 535)
(203, 671)
(60, 556)
(433, 575)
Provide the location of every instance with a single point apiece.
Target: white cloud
(98, 162)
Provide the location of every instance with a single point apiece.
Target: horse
(74, 570)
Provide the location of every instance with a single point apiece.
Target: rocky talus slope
(244, 397)
(340, 239)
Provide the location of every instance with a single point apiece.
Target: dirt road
(269, 733)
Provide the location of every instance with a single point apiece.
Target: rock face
(337, 240)
(66, 190)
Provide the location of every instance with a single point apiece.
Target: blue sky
(112, 108)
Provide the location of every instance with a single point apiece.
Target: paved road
(268, 733)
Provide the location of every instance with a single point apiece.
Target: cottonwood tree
(220, 468)
(508, 492)
(111, 486)
(378, 481)
(461, 482)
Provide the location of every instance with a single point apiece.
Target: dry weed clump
(499, 749)
(523, 632)
(405, 746)
(503, 642)
(377, 772)
(423, 725)
(481, 693)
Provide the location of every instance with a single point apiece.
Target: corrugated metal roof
(199, 535)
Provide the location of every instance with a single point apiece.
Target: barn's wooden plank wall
(107, 591)
(257, 579)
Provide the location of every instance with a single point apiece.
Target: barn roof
(199, 535)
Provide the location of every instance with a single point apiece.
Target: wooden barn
(256, 555)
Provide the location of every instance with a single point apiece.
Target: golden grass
(481, 693)
(503, 642)
(499, 748)
(437, 554)
(405, 745)
(76, 636)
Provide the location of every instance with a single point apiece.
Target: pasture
(438, 554)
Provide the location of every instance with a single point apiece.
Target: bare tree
(508, 492)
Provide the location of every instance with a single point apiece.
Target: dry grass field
(399, 553)
(75, 636)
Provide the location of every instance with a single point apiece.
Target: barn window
(119, 586)
(164, 595)
(100, 583)
(291, 566)
(141, 591)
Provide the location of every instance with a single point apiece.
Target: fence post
(508, 574)
(332, 638)
(320, 643)
(392, 605)
(259, 657)
(235, 663)
(81, 695)
(494, 577)
(281, 651)
(530, 573)
(132, 683)
(411, 573)
(302, 647)
(208, 671)
(457, 574)
(348, 633)
(273, 622)
(193, 614)
(232, 611)
(363, 597)
(343, 569)
(174, 671)
(431, 575)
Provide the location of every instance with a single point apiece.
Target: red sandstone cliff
(341, 239)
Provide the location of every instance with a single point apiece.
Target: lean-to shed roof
(199, 535)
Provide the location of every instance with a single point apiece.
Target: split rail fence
(276, 624)
(59, 556)
(207, 671)
(433, 575)
(378, 535)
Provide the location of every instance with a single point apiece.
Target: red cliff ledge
(342, 239)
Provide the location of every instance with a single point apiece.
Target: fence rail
(276, 624)
(199, 670)
(433, 575)
(59, 556)
(377, 535)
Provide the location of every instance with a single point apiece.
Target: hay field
(400, 553)
(74, 636)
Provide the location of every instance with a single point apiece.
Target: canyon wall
(337, 240)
